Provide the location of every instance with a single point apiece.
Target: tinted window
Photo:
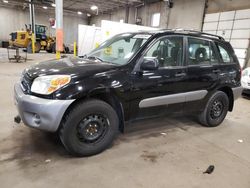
(224, 54)
(168, 51)
(200, 52)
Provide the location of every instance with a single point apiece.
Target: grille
(26, 82)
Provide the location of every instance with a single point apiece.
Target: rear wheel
(89, 128)
(215, 110)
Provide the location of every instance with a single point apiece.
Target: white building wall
(234, 26)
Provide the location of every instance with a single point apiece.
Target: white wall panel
(242, 62)
(234, 27)
(240, 43)
(242, 24)
(224, 16)
(212, 17)
(210, 26)
(212, 32)
(241, 53)
(242, 14)
(87, 38)
(224, 33)
(225, 25)
(241, 34)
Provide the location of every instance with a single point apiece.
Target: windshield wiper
(95, 58)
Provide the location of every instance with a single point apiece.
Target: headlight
(48, 84)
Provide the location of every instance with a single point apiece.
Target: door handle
(180, 74)
(216, 71)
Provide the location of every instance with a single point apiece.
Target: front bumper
(35, 112)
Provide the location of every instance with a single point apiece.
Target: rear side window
(225, 54)
(200, 52)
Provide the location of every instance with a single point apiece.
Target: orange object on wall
(59, 40)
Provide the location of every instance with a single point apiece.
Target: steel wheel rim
(216, 109)
(92, 128)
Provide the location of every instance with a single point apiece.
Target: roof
(185, 32)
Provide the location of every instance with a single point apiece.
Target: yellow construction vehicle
(22, 39)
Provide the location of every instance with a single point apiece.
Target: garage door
(234, 26)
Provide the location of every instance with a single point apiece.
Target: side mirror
(150, 64)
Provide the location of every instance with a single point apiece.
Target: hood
(69, 66)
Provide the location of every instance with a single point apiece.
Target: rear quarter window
(225, 53)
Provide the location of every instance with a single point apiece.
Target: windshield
(119, 49)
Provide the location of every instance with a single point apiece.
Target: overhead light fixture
(44, 7)
(79, 12)
(93, 7)
(88, 14)
(5, 1)
(53, 5)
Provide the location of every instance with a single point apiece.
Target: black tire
(216, 110)
(66, 49)
(37, 47)
(76, 128)
(53, 48)
(49, 50)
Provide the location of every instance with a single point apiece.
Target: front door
(156, 91)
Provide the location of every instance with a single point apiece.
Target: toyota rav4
(88, 100)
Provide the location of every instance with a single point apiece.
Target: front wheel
(89, 128)
(216, 110)
(37, 47)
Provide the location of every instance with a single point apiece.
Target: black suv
(131, 76)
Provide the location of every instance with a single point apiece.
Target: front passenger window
(168, 51)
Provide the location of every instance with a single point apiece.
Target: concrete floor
(170, 152)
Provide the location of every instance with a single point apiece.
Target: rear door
(229, 66)
(202, 64)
